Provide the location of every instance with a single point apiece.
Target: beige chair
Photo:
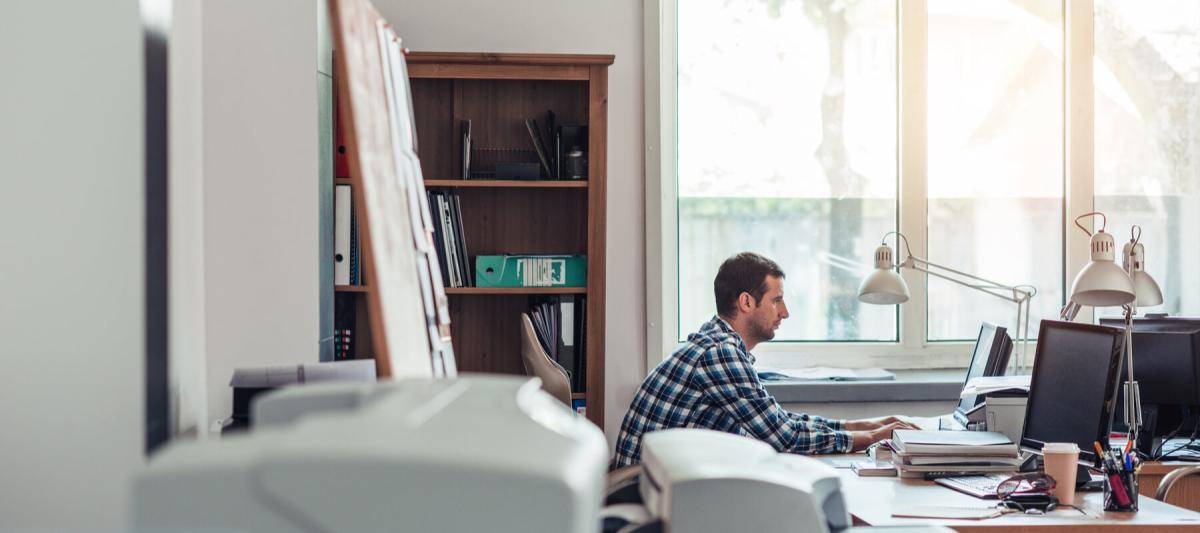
(538, 363)
(1168, 481)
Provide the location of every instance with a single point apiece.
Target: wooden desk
(872, 499)
(1186, 493)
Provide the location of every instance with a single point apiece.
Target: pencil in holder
(1120, 490)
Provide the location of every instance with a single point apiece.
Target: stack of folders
(932, 453)
(446, 210)
(561, 326)
(347, 265)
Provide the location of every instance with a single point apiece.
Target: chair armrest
(1168, 481)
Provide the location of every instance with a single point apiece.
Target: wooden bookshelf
(502, 184)
(497, 92)
(516, 290)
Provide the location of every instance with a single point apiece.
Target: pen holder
(1121, 491)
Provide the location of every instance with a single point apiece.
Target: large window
(794, 136)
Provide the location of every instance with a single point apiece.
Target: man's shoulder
(710, 347)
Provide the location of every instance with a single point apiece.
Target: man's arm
(831, 423)
(728, 380)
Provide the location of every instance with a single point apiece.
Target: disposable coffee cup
(1061, 460)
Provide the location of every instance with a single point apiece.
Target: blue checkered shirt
(710, 383)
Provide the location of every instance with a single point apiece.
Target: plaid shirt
(710, 383)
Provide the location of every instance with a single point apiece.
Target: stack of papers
(826, 373)
(922, 453)
(986, 385)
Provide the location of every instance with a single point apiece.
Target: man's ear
(745, 302)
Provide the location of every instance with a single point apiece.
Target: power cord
(1191, 439)
(1154, 453)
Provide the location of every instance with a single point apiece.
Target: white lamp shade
(1146, 289)
(1102, 283)
(883, 286)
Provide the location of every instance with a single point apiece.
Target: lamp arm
(1019, 295)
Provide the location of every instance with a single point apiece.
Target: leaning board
(407, 304)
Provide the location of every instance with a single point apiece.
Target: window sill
(936, 384)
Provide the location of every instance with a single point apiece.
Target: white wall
(71, 269)
(260, 188)
(187, 365)
(571, 26)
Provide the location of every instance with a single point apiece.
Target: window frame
(912, 351)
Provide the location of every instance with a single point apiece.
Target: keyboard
(981, 486)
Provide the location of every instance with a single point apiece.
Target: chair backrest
(538, 363)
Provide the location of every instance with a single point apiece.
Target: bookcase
(497, 93)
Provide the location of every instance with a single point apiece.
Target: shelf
(516, 290)
(349, 288)
(578, 395)
(509, 184)
(343, 181)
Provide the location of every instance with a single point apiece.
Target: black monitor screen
(992, 345)
(1166, 359)
(1071, 391)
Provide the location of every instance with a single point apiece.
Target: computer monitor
(1166, 358)
(1072, 388)
(1166, 364)
(990, 358)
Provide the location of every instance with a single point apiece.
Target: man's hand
(869, 424)
(865, 438)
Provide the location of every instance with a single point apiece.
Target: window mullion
(912, 66)
(1079, 145)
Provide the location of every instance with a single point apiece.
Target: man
(710, 382)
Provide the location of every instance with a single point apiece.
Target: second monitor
(1071, 392)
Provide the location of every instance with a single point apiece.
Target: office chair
(1169, 480)
(538, 363)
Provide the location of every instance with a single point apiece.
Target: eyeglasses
(1033, 482)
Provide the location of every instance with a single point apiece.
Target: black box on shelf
(517, 171)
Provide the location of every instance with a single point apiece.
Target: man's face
(770, 312)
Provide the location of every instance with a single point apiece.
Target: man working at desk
(710, 381)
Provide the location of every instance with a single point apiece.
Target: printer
(249, 383)
(699, 480)
(477, 453)
(702, 481)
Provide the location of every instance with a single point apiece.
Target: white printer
(478, 453)
(702, 481)
(699, 480)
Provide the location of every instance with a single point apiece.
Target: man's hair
(744, 272)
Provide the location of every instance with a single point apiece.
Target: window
(995, 159)
(806, 130)
(787, 146)
(1147, 94)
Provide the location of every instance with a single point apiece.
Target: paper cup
(1061, 460)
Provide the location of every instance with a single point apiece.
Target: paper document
(825, 373)
(945, 511)
(984, 385)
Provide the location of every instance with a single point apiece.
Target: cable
(1191, 439)
(1171, 435)
(1103, 221)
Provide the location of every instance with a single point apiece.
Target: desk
(872, 499)
(1186, 493)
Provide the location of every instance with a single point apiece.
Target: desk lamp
(1102, 283)
(884, 286)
